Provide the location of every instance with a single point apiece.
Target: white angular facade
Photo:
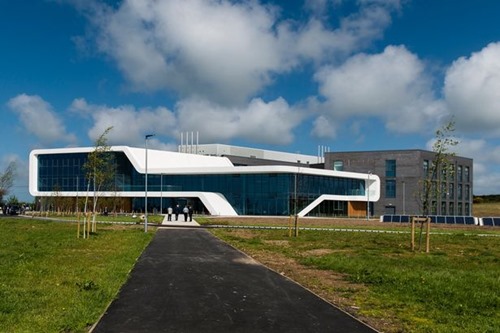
(211, 183)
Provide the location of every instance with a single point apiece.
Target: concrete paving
(179, 223)
(187, 280)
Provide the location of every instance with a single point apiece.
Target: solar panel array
(491, 221)
(465, 220)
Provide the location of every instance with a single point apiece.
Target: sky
(350, 75)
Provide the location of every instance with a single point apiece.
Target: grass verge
(455, 288)
(111, 218)
(50, 281)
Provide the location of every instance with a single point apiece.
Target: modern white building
(211, 184)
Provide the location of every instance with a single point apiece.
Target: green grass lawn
(111, 218)
(455, 288)
(50, 281)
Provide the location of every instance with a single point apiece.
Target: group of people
(12, 210)
(187, 211)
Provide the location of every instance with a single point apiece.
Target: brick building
(401, 174)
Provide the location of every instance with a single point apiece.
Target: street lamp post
(161, 194)
(146, 186)
(296, 223)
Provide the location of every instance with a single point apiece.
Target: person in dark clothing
(190, 213)
(177, 211)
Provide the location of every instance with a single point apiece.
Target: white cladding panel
(163, 161)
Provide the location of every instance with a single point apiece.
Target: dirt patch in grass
(282, 243)
(317, 252)
(245, 233)
(331, 286)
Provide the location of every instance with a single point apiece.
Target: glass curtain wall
(249, 194)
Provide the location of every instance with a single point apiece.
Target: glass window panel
(390, 188)
(426, 167)
(338, 165)
(390, 168)
(466, 174)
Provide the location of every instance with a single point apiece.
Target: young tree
(7, 179)
(13, 200)
(99, 170)
(440, 168)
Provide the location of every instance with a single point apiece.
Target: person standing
(177, 212)
(190, 212)
(185, 210)
(169, 213)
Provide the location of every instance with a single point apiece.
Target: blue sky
(282, 75)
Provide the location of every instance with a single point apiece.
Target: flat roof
(222, 150)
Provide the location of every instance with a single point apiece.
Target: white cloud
(221, 50)
(39, 119)
(472, 91)
(324, 128)
(486, 183)
(130, 125)
(205, 48)
(392, 85)
(356, 31)
(485, 176)
(483, 151)
(259, 121)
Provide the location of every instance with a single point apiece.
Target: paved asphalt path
(189, 281)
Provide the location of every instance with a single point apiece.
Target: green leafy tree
(100, 171)
(13, 200)
(7, 179)
(440, 168)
